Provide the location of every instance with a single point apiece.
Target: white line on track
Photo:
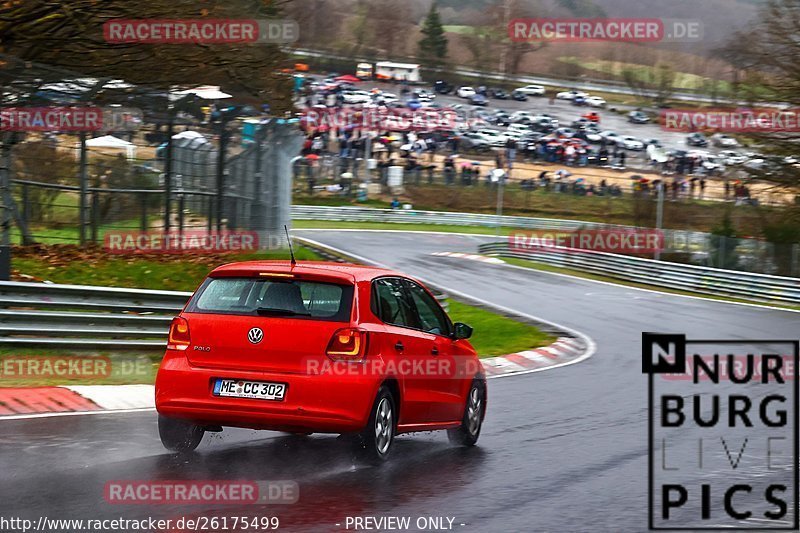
(77, 413)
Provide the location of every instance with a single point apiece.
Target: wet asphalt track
(562, 450)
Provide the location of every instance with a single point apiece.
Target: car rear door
(447, 369)
(405, 348)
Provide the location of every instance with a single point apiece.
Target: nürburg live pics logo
(723, 433)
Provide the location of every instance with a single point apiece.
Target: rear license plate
(259, 390)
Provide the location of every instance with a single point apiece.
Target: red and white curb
(563, 351)
(118, 397)
(83, 399)
(471, 257)
(25, 401)
(19, 402)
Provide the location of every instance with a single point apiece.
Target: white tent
(79, 86)
(188, 134)
(111, 142)
(206, 92)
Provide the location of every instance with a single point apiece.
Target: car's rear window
(281, 298)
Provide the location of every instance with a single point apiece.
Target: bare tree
(644, 82)
(767, 54)
(478, 44)
(320, 21)
(512, 53)
(390, 27)
(70, 35)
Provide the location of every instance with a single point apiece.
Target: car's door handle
(434, 351)
(399, 346)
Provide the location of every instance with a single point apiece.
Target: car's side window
(392, 304)
(432, 318)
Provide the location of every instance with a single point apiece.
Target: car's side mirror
(461, 331)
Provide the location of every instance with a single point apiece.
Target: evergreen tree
(433, 45)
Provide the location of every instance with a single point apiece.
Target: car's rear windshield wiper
(280, 311)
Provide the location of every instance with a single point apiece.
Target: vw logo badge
(255, 335)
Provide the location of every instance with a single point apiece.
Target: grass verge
(495, 334)
(694, 215)
(48, 367)
(449, 228)
(73, 265)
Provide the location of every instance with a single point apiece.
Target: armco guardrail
(674, 239)
(82, 316)
(51, 315)
(90, 297)
(713, 281)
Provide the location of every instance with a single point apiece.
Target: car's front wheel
(470, 429)
(179, 435)
(375, 441)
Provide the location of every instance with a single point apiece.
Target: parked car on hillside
(466, 92)
(631, 143)
(638, 117)
(532, 90)
(571, 95)
(696, 139)
(519, 96)
(478, 99)
(724, 141)
(596, 101)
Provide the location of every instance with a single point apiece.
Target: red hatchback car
(318, 347)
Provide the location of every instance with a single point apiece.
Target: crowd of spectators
(417, 154)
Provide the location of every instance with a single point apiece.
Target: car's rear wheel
(179, 435)
(375, 441)
(470, 429)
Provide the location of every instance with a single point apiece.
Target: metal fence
(717, 282)
(692, 278)
(678, 239)
(179, 162)
(254, 194)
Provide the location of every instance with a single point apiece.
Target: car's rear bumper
(312, 403)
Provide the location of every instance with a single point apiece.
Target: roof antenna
(289, 240)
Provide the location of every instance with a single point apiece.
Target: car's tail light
(178, 334)
(348, 344)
